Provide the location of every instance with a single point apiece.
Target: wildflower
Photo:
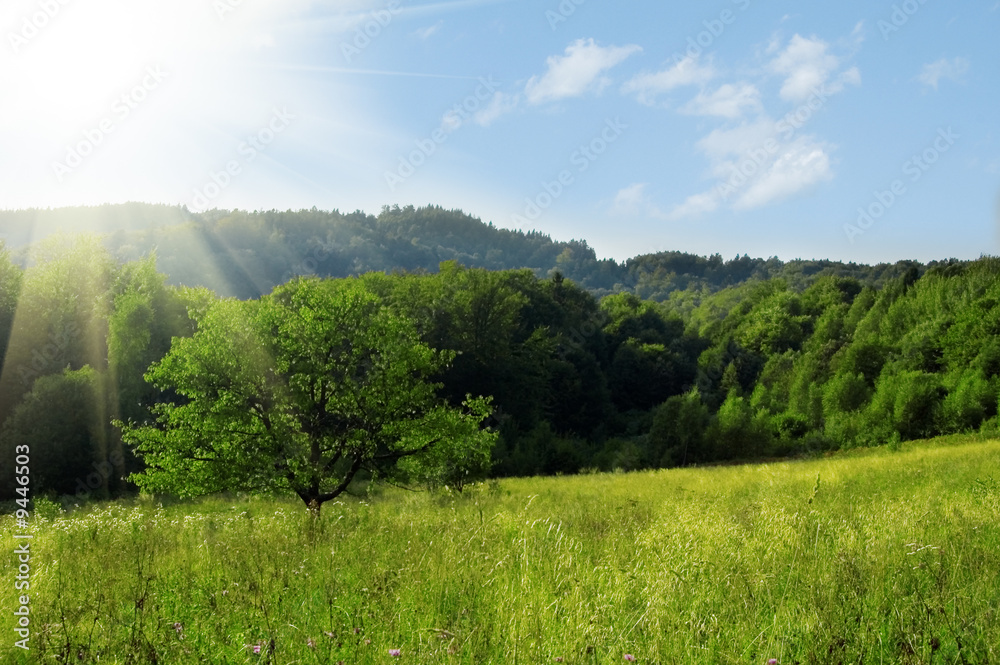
(256, 648)
(773, 661)
(558, 659)
(367, 641)
(311, 643)
(629, 657)
(395, 653)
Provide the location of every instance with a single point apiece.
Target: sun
(69, 60)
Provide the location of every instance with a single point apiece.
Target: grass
(867, 557)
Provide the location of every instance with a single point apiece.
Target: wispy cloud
(807, 65)
(689, 71)
(756, 164)
(343, 16)
(500, 105)
(728, 101)
(694, 205)
(763, 161)
(427, 32)
(443, 7)
(800, 165)
(631, 200)
(579, 71)
(369, 72)
(953, 70)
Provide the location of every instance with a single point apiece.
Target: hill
(245, 254)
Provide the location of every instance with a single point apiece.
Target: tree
(145, 315)
(738, 432)
(678, 431)
(61, 315)
(60, 421)
(300, 391)
(10, 289)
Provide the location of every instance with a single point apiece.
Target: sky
(855, 131)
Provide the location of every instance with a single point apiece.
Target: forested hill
(245, 254)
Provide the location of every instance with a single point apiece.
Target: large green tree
(300, 391)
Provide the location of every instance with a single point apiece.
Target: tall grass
(867, 557)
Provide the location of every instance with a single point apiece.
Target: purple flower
(773, 661)
(395, 653)
(629, 657)
(256, 648)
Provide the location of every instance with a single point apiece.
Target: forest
(665, 360)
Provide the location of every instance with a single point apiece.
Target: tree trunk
(313, 505)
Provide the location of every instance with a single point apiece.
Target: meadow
(867, 556)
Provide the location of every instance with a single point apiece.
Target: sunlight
(120, 100)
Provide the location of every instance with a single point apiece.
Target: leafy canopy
(300, 391)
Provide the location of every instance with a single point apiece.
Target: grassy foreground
(869, 557)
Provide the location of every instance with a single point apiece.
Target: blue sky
(854, 131)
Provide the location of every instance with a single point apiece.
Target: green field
(866, 557)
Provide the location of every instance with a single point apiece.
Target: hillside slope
(245, 254)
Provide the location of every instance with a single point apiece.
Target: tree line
(768, 367)
(246, 254)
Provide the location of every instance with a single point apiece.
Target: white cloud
(500, 105)
(858, 34)
(577, 72)
(952, 70)
(426, 33)
(852, 76)
(757, 164)
(695, 205)
(631, 200)
(574, 74)
(798, 166)
(723, 144)
(688, 71)
(806, 65)
(729, 101)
